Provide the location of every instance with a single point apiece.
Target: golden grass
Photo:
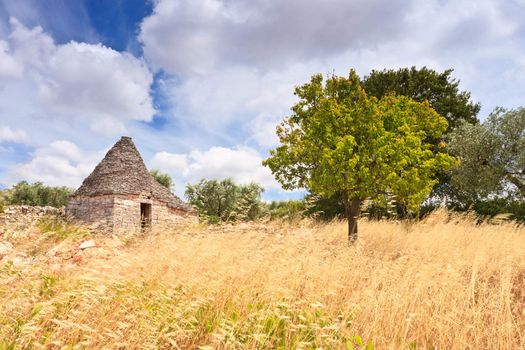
(430, 285)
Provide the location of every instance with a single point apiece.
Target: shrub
(493, 207)
(38, 194)
(287, 210)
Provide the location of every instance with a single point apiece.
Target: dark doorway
(145, 216)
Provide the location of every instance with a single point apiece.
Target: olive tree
(492, 155)
(224, 200)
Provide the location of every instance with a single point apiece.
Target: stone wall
(127, 215)
(93, 211)
(17, 216)
(120, 214)
(165, 218)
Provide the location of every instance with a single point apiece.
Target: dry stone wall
(127, 216)
(120, 214)
(26, 215)
(165, 218)
(94, 211)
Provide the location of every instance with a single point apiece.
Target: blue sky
(200, 85)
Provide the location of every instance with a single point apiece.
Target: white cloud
(80, 82)
(243, 164)
(172, 163)
(9, 66)
(61, 163)
(239, 98)
(237, 64)
(196, 36)
(9, 135)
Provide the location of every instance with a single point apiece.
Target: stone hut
(120, 196)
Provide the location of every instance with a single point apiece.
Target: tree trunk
(352, 208)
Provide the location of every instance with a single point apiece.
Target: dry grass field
(437, 284)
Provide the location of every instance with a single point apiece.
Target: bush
(287, 210)
(38, 194)
(493, 207)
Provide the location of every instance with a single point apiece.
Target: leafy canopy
(340, 139)
(439, 89)
(442, 93)
(492, 155)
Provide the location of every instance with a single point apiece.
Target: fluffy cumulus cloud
(243, 164)
(61, 163)
(9, 135)
(238, 97)
(239, 61)
(73, 82)
(196, 36)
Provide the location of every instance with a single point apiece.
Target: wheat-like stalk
(442, 283)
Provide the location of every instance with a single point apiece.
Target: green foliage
(442, 93)
(492, 156)
(38, 194)
(330, 208)
(291, 210)
(440, 90)
(162, 178)
(224, 200)
(493, 207)
(339, 139)
(325, 208)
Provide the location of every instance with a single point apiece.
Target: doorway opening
(145, 216)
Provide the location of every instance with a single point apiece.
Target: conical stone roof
(123, 172)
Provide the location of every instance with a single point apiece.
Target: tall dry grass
(438, 284)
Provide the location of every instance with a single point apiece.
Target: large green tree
(492, 156)
(442, 93)
(339, 139)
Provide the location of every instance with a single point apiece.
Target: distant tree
(492, 156)
(339, 139)
(38, 194)
(224, 200)
(162, 178)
